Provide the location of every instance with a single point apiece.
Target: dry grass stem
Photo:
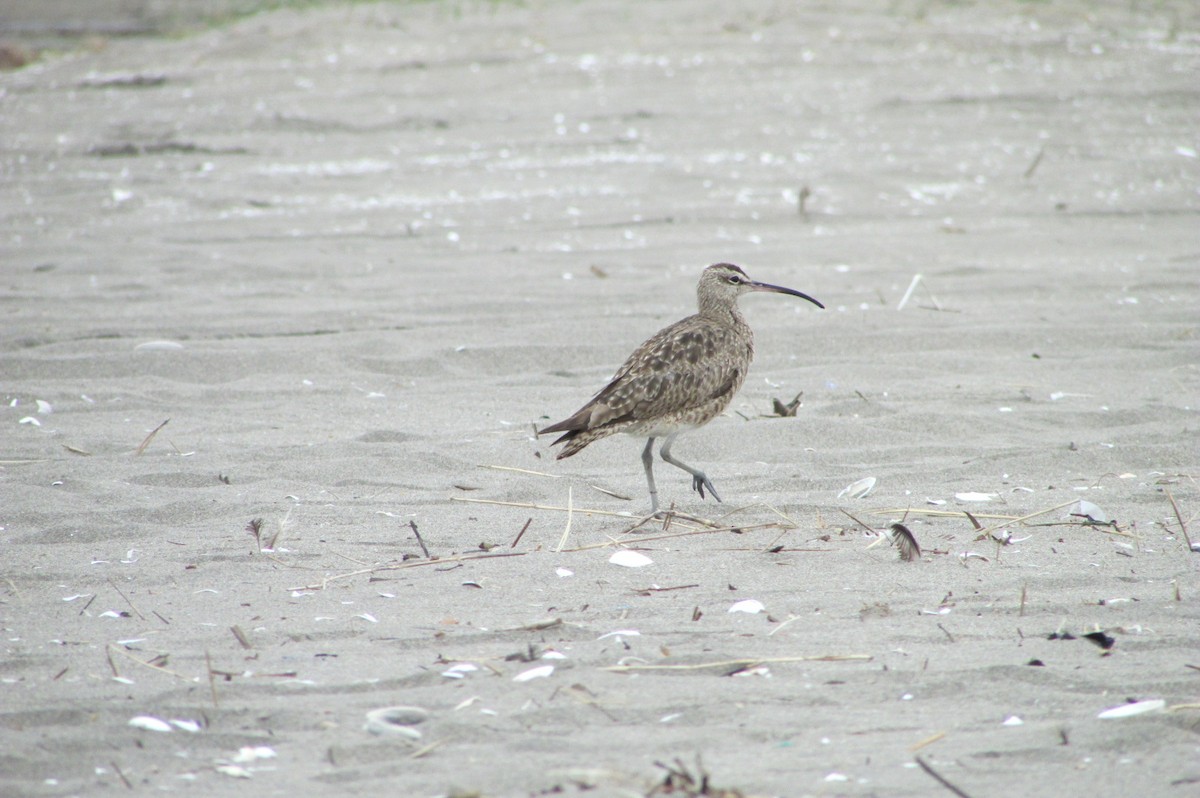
(520, 471)
(212, 678)
(930, 740)
(138, 612)
(1179, 517)
(400, 566)
(112, 648)
(149, 438)
(567, 529)
(738, 663)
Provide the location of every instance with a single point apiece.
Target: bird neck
(726, 314)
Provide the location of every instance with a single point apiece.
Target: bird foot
(700, 481)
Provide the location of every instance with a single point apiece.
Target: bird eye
(734, 279)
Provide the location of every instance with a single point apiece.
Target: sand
(354, 254)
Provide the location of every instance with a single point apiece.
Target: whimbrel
(680, 379)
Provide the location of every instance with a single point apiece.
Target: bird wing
(681, 367)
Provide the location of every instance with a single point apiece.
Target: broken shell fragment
(396, 720)
(1136, 708)
(751, 606)
(630, 559)
(859, 489)
(149, 723)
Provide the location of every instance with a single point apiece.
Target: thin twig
(912, 286)
(1037, 159)
(212, 682)
(850, 515)
(425, 749)
(149, 438)
(930, 740)
(520, 471)
(400, 566)
(121, 774)
(739, 663)
(113, 585)
(420, 542)
(111, 648)
(520, 534)
(940, 779)
(567, 529)
(1179, 518)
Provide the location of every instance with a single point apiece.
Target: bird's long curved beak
(754, 285)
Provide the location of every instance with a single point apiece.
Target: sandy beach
(286, 295)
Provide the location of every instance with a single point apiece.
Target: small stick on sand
(930, 740)
(520, 471)
(112, 647)
(912, 286)
(420, 542)
(520, 534)
(121, 774)
(739, 663)
(567, 530)
(1179, 517)
(113, 585)
(1037, 159)
(940, 779)
(400, 566)
(425, 749)
(149, 438)
(212, 682)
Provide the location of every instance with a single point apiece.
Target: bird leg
(648, 464)
(700, 480)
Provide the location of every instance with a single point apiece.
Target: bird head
(722, 283)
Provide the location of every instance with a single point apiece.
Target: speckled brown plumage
(681, 378)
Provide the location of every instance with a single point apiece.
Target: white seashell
(974, 497)
(150, 724)
(935, 502)
(1013, 720)
(234, 771)
(859, 489)
(621, 633)
(366, 616)
(44, 407)
(552, 654)
(837, 777)
(252, 753)
(757, 670)
(540, 672)
(396, 720)
(459, 670)
(186, 725)
(30, 420)
(564, 572)
(628, 558)
(1136, 708)
(751, 606)
(1090, 511)
(159, 346)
